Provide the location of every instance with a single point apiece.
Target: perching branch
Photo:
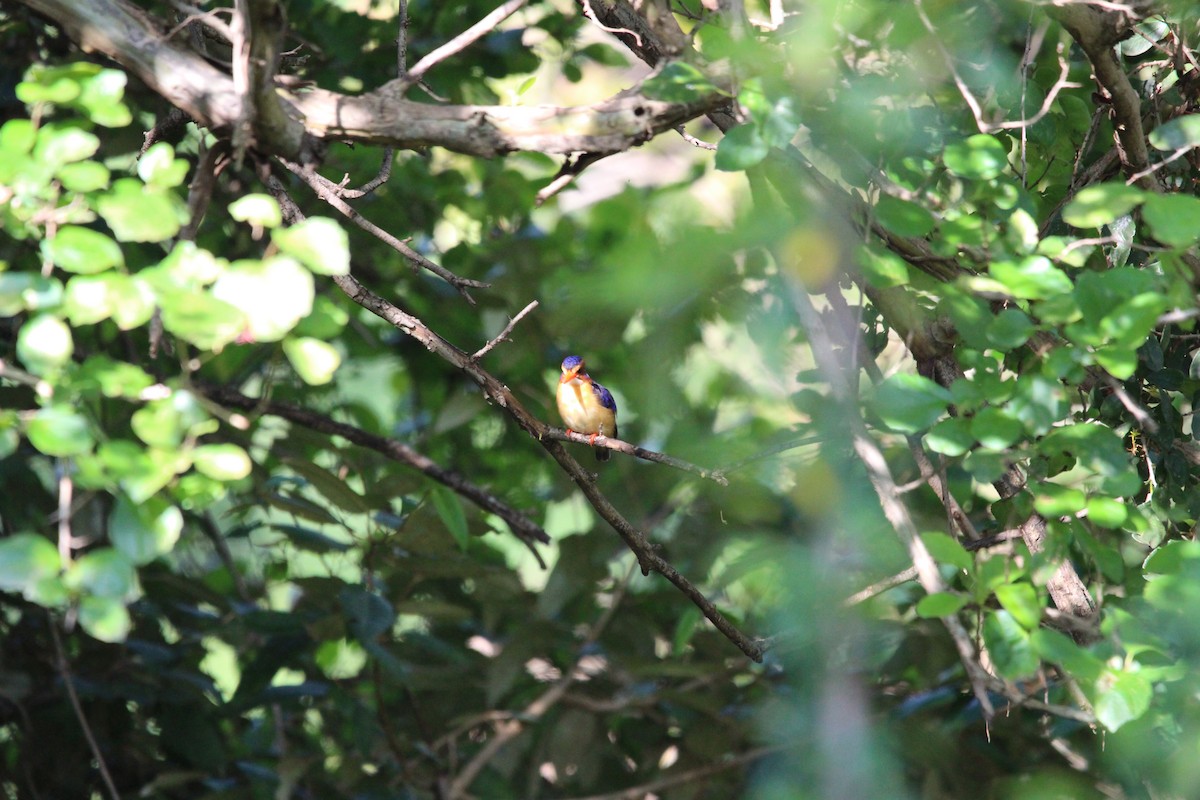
(502, 396)
(638, 452)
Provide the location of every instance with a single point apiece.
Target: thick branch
(125, 33)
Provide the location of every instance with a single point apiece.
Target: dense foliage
(284, 512)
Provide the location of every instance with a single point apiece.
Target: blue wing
(605, 397)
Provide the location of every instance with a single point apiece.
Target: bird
(584, 405)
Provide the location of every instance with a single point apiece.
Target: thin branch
(64, 672)
(66, 488)
(566, 175)
(638, 452)
(508, 729)
(402, 41)
(906, 575)
(688, 776)
(964, 90)
(502, 336)
(464, 39)
(327, 191)
(522, 526)
(692, 140)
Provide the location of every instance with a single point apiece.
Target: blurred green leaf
(318, 243)
(909, 403)
(25, 559)
(981, 157)
(314, 361)
(1009, 646)
(44, 344)
(1101, 204)
(82, 250)
(941, 604)
(59, 431)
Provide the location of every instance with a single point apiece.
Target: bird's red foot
(592, 441)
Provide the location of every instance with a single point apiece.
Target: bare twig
(464, 39)
(64, 672)
(327, 191)
(692, 140)
(66, 488)
(502, 336)
(964, 90)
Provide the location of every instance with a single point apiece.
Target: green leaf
(1121, 697)
(145, 531)
(678, 82)
(92, 298)
(981, 157)
(995, 429)
(201, 319)
(312, 540)
(44, 344)
(82, 250)
(329, 485)
(370, 615)
(222, 462)
(740, 149)
(450, 509)
(1101, 204)
(24, 291)
(58, 145)
(1009, 646)
(1010, 329)
(315, 361)
(159, 167)
(273, 294)
(946, 550)
(909, 403)
(115, 378)
(1173, 218)
(318, 243)
(940, 604)
(59, 431)
(883, 269)
(25, 559)
(903, 217)
(1180, 133)
(105, 573)
(1031, 278)
(1053, 500)
(950, 437)
(1107, 512)
(164, 423)
(139, 213)
(105, 618)
(260, 210)
(1057, 648)
(86, 176)
(1021, 600)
